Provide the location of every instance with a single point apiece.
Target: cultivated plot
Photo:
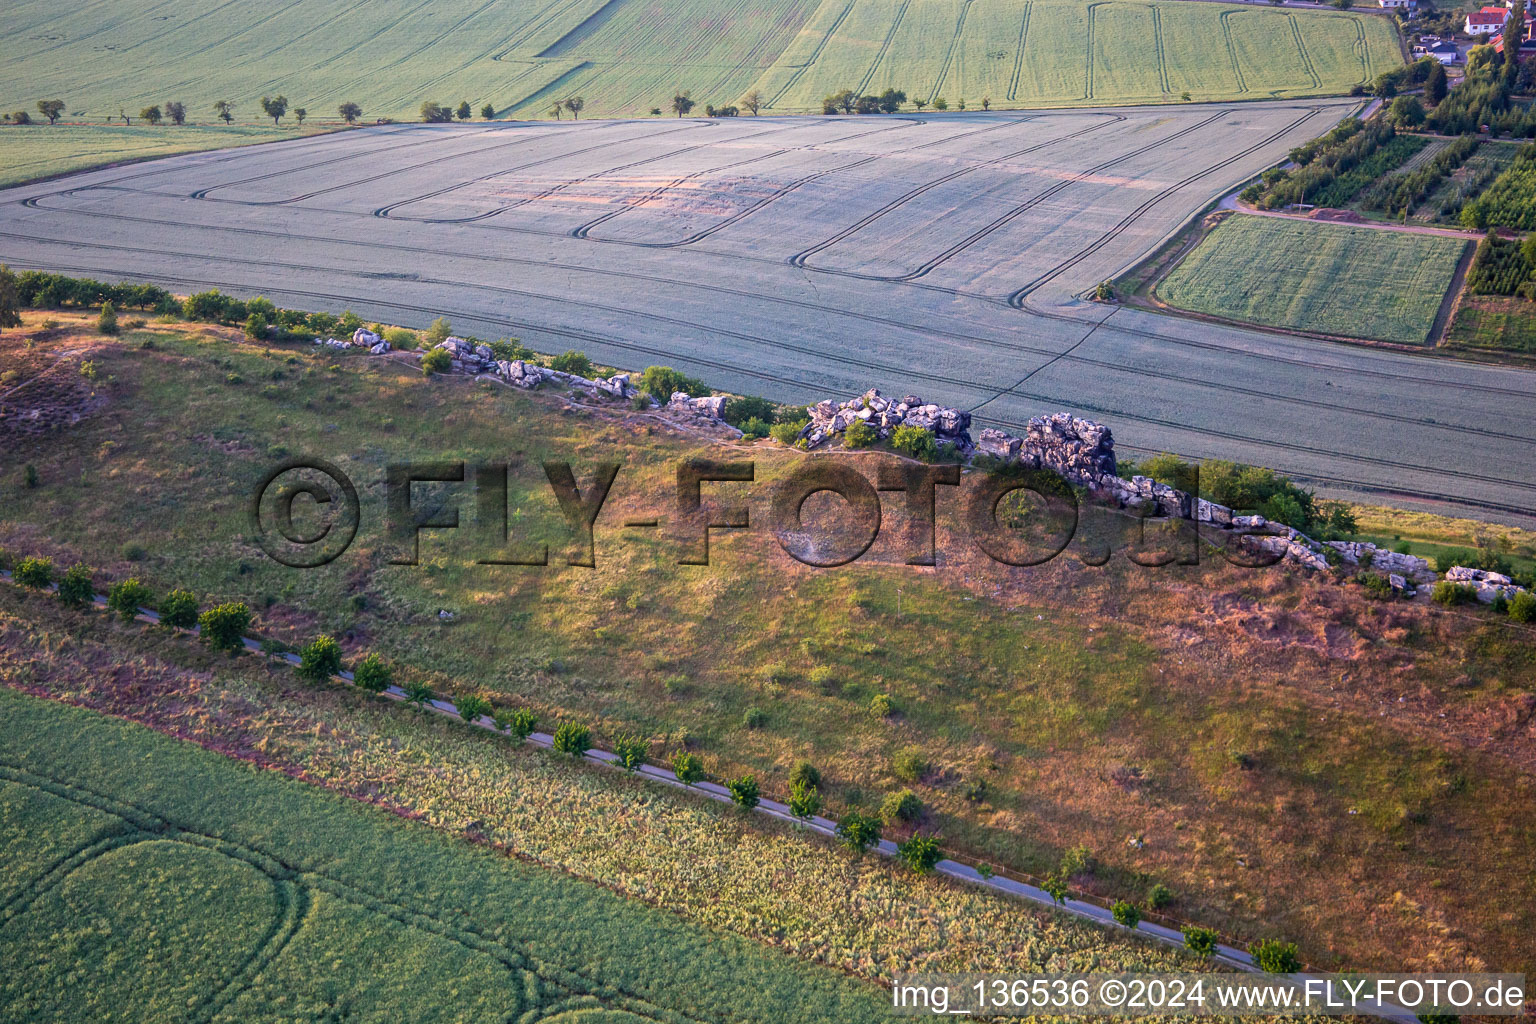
(1327, 278)
(197, 888)
(628, 56)
(945, 256)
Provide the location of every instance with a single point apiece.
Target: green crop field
(1494, 323)
(28, 152)
(1328, 278)
(196, 888)
(627, 56)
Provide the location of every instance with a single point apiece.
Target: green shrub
(689, 768)
(631, 751)
(1522, 607)
(127, 596)
(106, 323)
(372, 674)
(418, 692)
(902, 805)
(821, 676)
(1159, 896)
(975, 790)
(509, 350)
(574, 362)
(910, 764)
(1276, 957)
(660, 381)
(754, 718)
(224, 626)
(256, 327)
(858, 435)
(881, 706)
(1376, 586)
(519, 723)
(804, 773)
(858, 831)
(29, 476)
(1450, 593)
(440, 331)
(179, 609)
(34, 573)
(1200, 941)
(787, 433)
(741, 410)
(320, 659)
(573, 738)
(1126, 913)
(472, 707)
(754, 428)
(76, 588)
(436, 361)
(1077, 861)
(920, 853)
(915, 441)
(399, 338)
(1055, 887)
(744, 791)
(804, 799)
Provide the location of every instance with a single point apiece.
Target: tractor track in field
(466, 934)
(1301, 50)
(1237, 70)
(1018, 54)
(1162, 55)
(388, 211)
(885, 46)
(660, 190)
(799, 259)
(1093, 15)
(821, 44)
(1019, 296)
(949, 54)
(525, 31)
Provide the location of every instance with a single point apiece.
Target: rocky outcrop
(361, 338)
(1489, 586)
(950, 427)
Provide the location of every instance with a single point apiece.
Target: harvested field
(627, 56)
(802, 258)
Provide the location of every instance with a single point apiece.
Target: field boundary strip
(1227, 955)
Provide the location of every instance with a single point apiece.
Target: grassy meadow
(1236, 736)
(197, 886)
(1327, 278)
(741, 874)
(625, 57)
(30, 152)
(1494, 324)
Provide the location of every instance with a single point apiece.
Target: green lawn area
(626, 56)
(1494, 323)
(29, 152)
(1328, 278)
(193, 887)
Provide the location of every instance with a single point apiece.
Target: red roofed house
(1487, 22)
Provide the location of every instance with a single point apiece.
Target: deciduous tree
(753, 101)
(10, 298)
(350, 112)
(274, 107)
(51, 109)
(574, 105)
(682, 103)
(463, 110)
(487, 112)
(299, 114)
(150, 114)
(224, 111)
(176, 111)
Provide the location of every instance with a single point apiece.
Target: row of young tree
(174, 111)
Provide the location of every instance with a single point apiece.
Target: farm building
(1408, 7)
(1444, 52)
(1486, 22)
